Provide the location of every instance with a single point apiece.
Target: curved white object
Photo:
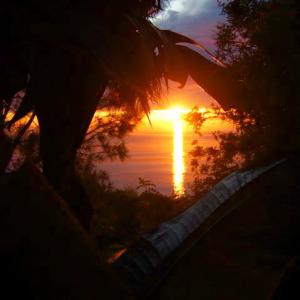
(142, 259)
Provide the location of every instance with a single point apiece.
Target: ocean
(160, 154)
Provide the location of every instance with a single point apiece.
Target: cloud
(195, 18)
(188, 7)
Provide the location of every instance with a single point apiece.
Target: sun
(176, 112)
(202, 110)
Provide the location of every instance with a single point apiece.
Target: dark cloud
(195, 18)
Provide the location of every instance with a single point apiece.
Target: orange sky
(189, 96)
(163, 121)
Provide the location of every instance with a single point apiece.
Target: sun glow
(202, 110)
(178, 152)
(170, 134)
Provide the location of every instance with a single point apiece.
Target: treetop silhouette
(65, 54)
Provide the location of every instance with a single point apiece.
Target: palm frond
(137, 57)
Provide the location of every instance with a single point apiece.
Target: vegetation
(121, 217)
(59, 71)
(249, 42)
(64, 68)
(259, 43)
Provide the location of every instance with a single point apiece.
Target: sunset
(178, 151)
(149, 149)
(159, 149)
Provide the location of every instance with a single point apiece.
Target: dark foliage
(64, 54)
(121, 217)
(260, 43)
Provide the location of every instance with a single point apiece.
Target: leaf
(175, 65)
(177, 38)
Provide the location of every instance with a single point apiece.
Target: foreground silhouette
(248, 249)
(45, 253)
(66, 54)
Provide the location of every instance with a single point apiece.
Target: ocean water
(152, 157)
(160, 152)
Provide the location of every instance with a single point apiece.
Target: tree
(65, 54)
(259, 43)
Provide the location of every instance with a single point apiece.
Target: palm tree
(66, 53)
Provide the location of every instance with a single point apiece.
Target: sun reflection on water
(178, 154)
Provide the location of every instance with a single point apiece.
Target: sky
(196, 19)
(152, 147)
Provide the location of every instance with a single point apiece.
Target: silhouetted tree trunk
(44, 252)
(6, 151)
(65, 90)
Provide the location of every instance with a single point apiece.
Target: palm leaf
(177, 38)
